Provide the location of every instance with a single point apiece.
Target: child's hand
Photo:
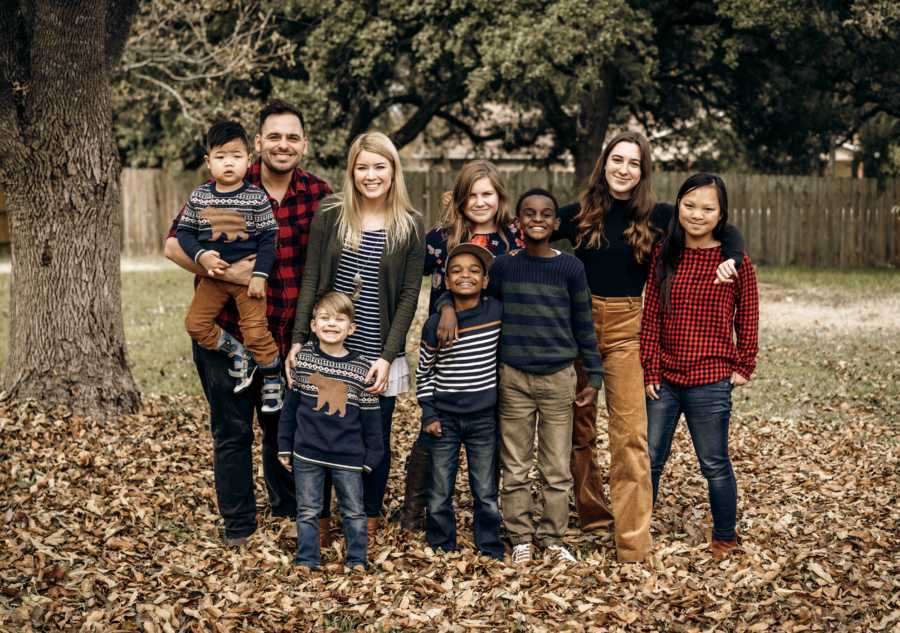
(257, 288)
(434, 428)
(652, 391)
(737, 380)
(726, 272)
(213, 264)
(447, 331)
(585, 396)
(286, 462)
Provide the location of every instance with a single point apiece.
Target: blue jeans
(478, 433)
(231, 425)
(707, 409)
(375, 482)
(309, 479)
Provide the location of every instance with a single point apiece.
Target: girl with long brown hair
(613, 229)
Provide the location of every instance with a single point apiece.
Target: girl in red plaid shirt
(690, 357)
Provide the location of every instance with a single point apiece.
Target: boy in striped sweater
(457, 390)
(330, 423)
(546, 325)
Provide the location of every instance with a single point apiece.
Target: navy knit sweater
(236, 224)
(462, 378)
(328, 418)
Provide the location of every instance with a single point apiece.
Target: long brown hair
(453, 219)
(596, 201)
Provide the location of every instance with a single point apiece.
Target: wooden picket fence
(786, 220)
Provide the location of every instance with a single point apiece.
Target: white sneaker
(521, 553)
(561, 554)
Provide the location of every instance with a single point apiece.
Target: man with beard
(295, 195)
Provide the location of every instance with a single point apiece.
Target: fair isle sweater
(329, 419)
(235, 223)
(463, 378)
(547, 320)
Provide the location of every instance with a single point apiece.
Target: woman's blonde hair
(401, 216)
(453, 218)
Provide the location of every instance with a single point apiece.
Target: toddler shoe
(247, 370)
(272, 394)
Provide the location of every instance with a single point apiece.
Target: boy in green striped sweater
(546, 325)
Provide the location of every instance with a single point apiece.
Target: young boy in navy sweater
(224, 221)
(546, 325)
(457, 390)
(330, 423)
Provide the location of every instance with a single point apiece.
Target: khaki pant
(210, 296)
(617, 322)
(522, 397)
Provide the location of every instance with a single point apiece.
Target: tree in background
(187, 64)
(60, 171)
(772, 84)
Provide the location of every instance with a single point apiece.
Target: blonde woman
(369, 243)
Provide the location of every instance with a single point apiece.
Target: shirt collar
(298, 181)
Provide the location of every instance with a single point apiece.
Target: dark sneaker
(272, 394)
(245, 376)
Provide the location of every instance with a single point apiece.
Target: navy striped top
(361, 267)
(463, 378)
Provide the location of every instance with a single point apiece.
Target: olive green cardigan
(399, 280)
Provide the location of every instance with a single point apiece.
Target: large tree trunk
(67, 343)
(593, 121)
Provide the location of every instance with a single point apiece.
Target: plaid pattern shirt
(692, 341)
(294, 215)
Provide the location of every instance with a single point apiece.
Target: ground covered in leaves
(113, 526)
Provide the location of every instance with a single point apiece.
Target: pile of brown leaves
(114, 527)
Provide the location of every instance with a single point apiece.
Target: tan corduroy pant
(617, 322)
(210, 296)
(532, 403)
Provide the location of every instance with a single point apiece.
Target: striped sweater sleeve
(583, 326)
(426, 371)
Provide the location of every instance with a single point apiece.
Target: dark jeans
(310, 479)
(478, 433)
(231, 425)
(707, 409)
(374, 483)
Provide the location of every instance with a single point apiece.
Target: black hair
(536, 191)
(277, 106)
(673, 244)
(223, 132)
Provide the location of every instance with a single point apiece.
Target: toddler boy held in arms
(457, 390)
(330, 423)
(224, 221)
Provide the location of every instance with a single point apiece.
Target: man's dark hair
(278, 106)
(222, 132)
(536, 191)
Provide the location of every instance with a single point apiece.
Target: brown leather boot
(721, 549)
(372, 524)
(418, 471)
(325, 533)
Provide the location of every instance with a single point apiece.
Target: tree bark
(593, 121)
(67, 342)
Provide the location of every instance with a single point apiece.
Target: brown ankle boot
(418, 470)
(372, 524)
(325, 533)
(721, 549)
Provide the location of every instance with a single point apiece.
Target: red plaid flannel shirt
(294, 215)
(692, 342)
